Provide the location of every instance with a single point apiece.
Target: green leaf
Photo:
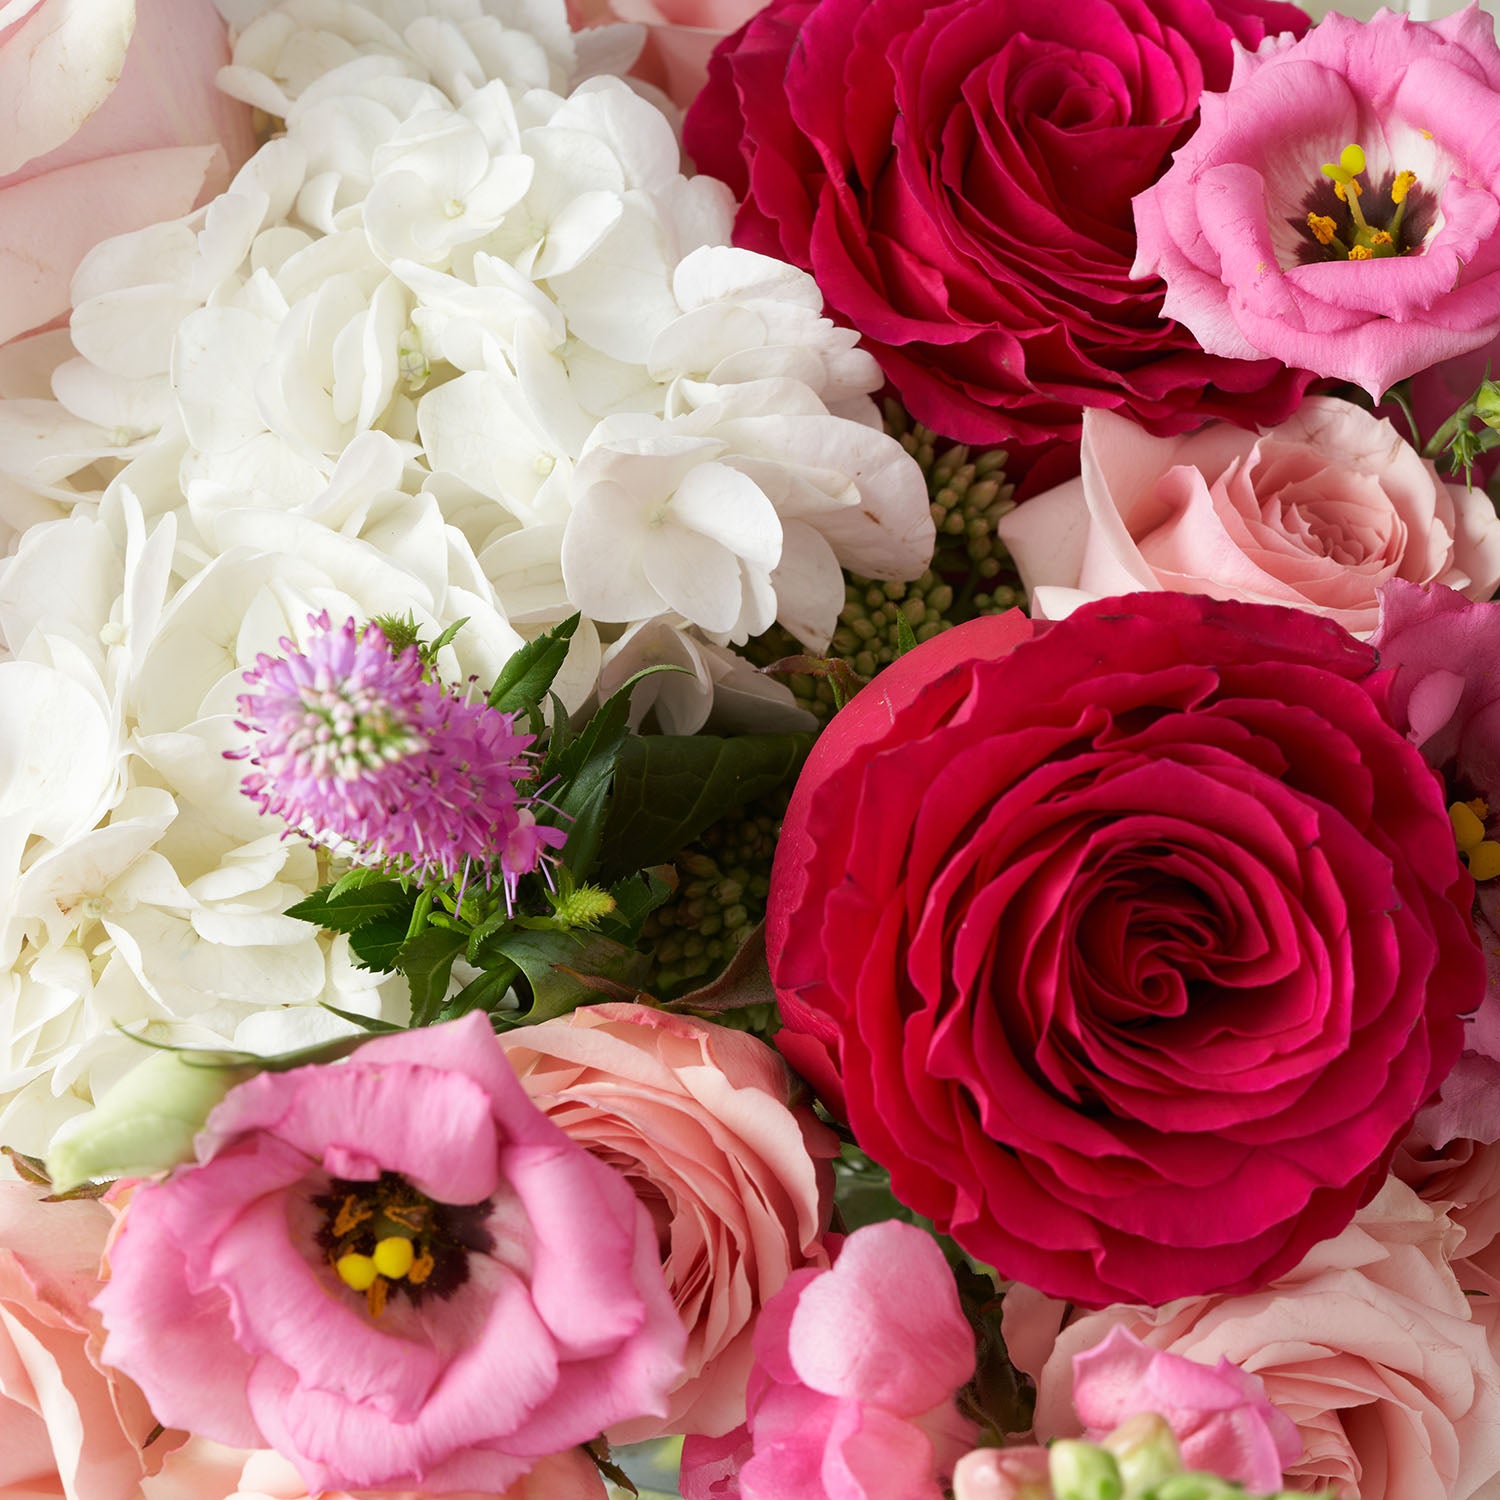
(427, 962)
(376, 944)
(484, 993)
(528, 675)
(429, 653)
(352, 908)
(669, 788)
(373, 1024)
(554, 991)
(636, 897)
(353, 880)
(906, 639)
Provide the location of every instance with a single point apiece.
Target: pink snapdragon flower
(1265, 254)
(852, 1392)
(1220, 1415)
(395, 1272)
(354, 744)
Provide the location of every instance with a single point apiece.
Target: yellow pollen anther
(393, 1257)
(1323, 228)
(1361, 252)
(421, 1268)
(1468, 828)
(1484, 860)
(357, 1272)
(1404, 183)
(375, 1297)
(1380, 237)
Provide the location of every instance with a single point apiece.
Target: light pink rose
(530, 1312)
(68, 1426)
(1462, 1176)
(109, 121)
(1316, 513)
(852, 1393)
(1369, 1346)
(680, 36)
(1003, 1474)
(740, 1184)
(1254, 243)
(1220, 1415)
(207, 1471)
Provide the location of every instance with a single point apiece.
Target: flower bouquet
(748, 749)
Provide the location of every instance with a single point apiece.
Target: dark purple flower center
(385, 1238)
(1341, 218)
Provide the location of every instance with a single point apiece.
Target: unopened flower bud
(1487, 404)
(1083, 1471)
(1145, 1450)
(146, 1123)
(1194, 1487)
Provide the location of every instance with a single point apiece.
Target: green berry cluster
(971, 573)
(723, 883)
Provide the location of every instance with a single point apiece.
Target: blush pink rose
(852, 1393)
(1228, 227)
(1220, 1415)
(739, 1184)
(68, 1426)
(1003, 1474)
(110, 120)
(1369, 1346)
(207, 1471)
(1315, 513)
(680, 36)
(534, 1314)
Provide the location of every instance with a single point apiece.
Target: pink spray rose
(1220, 1415)
(1315, 513)
(109, 120)
(395, 1272)
(738, 1183)
(68, 1426)
(1265, 254)
(852, 1393)
(1369, 1346)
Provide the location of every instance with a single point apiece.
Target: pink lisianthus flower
(1220, 1415)
(259, 1298)
(1263, 254)
(852, 1392)
(1316, 513)
(109, 121)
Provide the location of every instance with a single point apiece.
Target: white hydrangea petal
(602, 556)
(727, 507)
(637, 133)
(680, 700)
(216, 359)
(694, 575)
(809, 586)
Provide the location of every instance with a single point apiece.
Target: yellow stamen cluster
(1323, 228)
(399, 1252)
(1404, 183)
(1481, 854)
(1361, 252)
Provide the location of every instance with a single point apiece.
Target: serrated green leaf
(555, 992)
(669, 788)
(528, 675)
(353, 908)
(376, 944)
(373, 1024)
(427, 961)
(636, 897)
(353, 880)
(445, 639)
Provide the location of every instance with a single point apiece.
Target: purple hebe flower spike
(352, 744)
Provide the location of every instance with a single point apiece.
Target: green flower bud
(1145, 1450)
(1194, 1487)
(146, 1123)
(1083, 1471)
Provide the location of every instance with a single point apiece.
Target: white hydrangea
(460, 341)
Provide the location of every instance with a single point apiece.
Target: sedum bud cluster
(724, 879)
(971, 572)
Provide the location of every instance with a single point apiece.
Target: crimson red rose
(1135, 946)
(958, 179)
